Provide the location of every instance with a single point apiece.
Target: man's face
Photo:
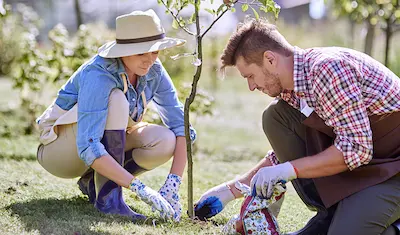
(260, 77)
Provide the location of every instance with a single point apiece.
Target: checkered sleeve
(272, 157)
(339, 96)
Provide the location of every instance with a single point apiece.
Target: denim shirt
(90, 87)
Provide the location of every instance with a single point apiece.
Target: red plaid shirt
(344, 87)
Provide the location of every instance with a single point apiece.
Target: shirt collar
(299, 72)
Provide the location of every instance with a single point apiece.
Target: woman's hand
(170, 191)
(152, 198)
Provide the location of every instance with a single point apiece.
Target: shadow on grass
(18, 157)
(66, 216)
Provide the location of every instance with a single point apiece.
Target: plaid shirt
(344, 87)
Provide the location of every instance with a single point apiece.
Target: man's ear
(270, 60)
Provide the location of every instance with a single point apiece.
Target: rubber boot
(396, 226)
(131, 166)
(319, 224)
(86, 185)
(109, 198)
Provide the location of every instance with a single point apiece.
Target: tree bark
(387, 41)
(369, 38)
(188, 102)
(78, 14)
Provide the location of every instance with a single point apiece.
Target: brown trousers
(367, 205)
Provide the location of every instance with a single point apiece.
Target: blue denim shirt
(91, 86)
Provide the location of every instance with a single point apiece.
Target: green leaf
(169, 3)
(192, 19)
(212, 12)
(255, 13)
(245, 7)
(175, 24)
(221, 8)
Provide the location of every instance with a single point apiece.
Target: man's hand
(263, 182)
(213, 201)
(152, 198)
(169, 191)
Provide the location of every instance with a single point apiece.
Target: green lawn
(35, 202)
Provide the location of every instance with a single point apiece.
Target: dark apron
(384, 164)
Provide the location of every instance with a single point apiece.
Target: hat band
(138, 40)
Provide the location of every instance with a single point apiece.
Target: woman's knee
(164, 148)
(158, 151)
(118, 111)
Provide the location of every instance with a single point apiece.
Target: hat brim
(115, 50)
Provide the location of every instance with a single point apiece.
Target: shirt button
(133, 99)
(90, 140)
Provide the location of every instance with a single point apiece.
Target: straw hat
(137, 33)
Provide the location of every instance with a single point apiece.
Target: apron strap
(125, 82)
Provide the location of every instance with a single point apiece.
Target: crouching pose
(94, 128)
(334, 129)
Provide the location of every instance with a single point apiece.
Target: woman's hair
(251, 39)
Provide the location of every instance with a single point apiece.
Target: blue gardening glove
(152, 198)
(263, 182)
(213, 201)
(170, 191)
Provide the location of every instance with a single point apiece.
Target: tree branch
(177, 20)
(215, 21)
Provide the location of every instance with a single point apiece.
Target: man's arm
(326, 163)
(245, 179)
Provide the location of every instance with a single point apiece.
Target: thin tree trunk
(369, 38)
(352, 30)
(188, 102)
(78, 14)
(387, 41)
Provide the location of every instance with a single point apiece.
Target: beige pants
(152, 145)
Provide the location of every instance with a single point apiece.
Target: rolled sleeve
(180, 131)
(169, 107)
(340, 98)
(94, 151)
(95, 87)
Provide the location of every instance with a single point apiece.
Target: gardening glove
(213, 201)
(152, 198)
(169, 191)
(263, 182)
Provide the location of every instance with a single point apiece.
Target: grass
(35, 202)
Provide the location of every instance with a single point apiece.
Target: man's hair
(251, 39)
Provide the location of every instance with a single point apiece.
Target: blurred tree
(78, 13)
(383, 13)
(175, 7)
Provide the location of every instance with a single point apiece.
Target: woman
(94, 128)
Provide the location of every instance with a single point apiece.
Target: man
(334, 129)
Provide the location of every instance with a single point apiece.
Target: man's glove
(169, 191)
(152, 198)
(213, 201)
(263, 182)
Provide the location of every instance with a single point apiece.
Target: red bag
(255, 217)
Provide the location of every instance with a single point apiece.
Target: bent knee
(271, 114)
(118, 111)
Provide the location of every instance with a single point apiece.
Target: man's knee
(271, 115)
